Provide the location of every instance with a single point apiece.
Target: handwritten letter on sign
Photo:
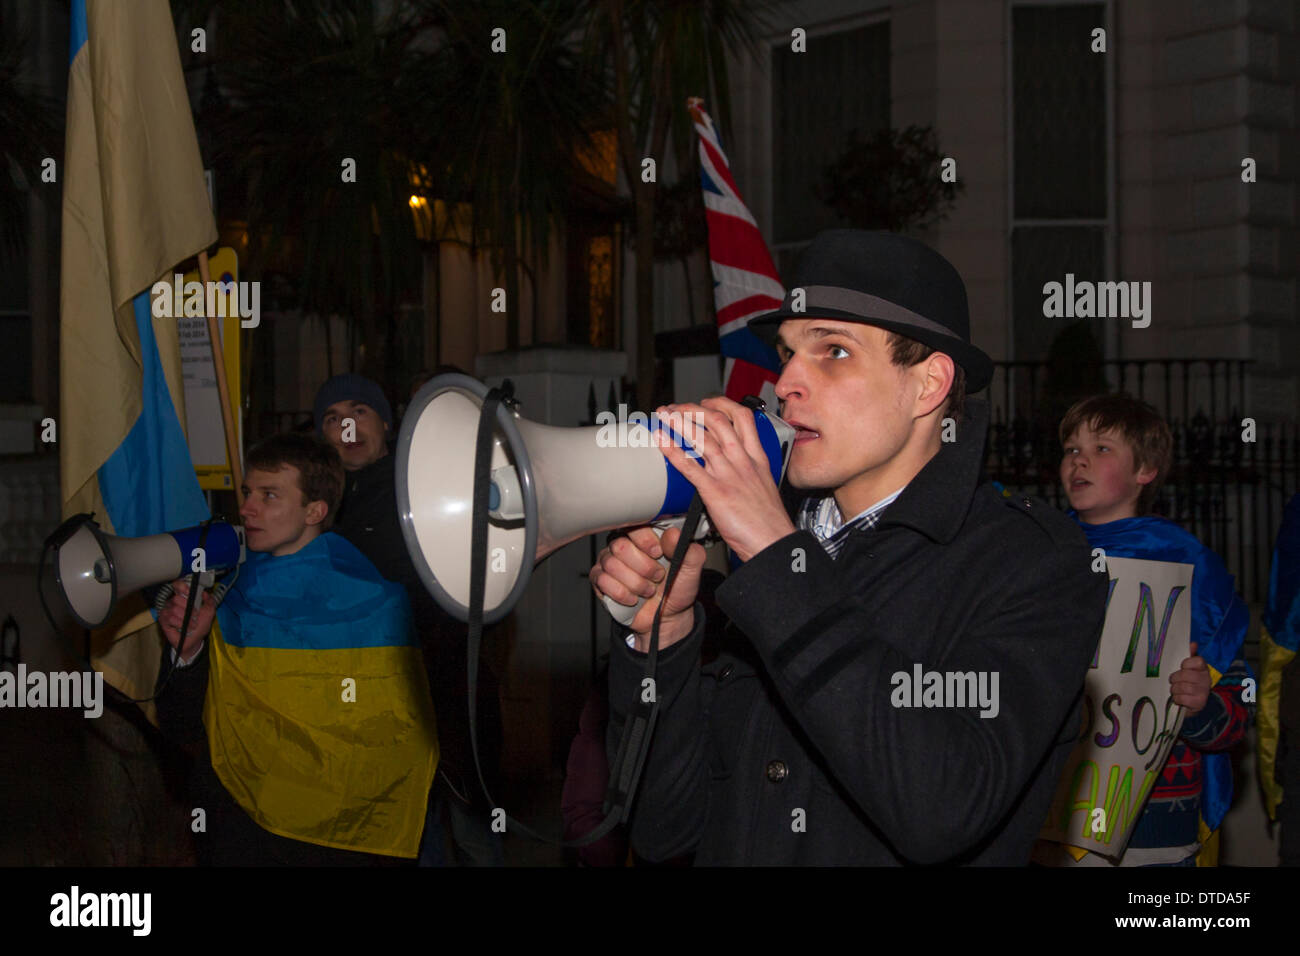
(1130, 721)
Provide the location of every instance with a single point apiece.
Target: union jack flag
(745, 282)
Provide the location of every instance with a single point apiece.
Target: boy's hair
(1138, 423)
(320, 469)
(905, 353)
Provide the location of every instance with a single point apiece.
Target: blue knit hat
(351, 387)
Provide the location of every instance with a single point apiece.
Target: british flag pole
(745, 281)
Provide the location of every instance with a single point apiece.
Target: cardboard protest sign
(1130, 721)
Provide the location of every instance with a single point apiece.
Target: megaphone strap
(633, 749)
(625, 773)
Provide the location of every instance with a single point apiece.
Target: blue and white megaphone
(550, 486)
(94, 569)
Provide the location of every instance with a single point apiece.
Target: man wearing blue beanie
(353, 414)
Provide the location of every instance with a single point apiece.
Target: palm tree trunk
(511, 260)
(643, 198)
(645, 247)
(329, 346)
(690, 292)
(645, 294)
(513, 305)
(369, 340)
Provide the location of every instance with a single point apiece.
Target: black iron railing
(1227, 491)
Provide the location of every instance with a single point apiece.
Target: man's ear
(938, 371)
(316, 511)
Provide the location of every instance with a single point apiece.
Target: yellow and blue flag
(1279, 639)
(134, 205)
(318, 713)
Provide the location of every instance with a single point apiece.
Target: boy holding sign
(1116, 453)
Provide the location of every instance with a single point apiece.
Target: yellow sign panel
(207, 438)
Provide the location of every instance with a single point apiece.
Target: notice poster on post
(1130, 720)
(207, 438)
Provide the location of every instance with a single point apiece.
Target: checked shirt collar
(822, 517)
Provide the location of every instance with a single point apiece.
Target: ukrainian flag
(134, 205)
(1279, 639)
(318, 713)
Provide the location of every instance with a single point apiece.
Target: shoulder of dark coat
(1029, 514)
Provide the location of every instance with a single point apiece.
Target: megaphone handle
(622, 612)
(207, 581)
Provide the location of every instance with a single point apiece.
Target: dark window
(16, 358)
(15, 330)
(1060, 182)
(841, 84)
(1043, 254)
(1060, 112)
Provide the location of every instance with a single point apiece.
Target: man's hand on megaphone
(173, 615)
(629, 569)
(735, 483)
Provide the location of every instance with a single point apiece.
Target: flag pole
(223, 387)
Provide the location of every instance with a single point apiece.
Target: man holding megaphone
(905, 657)
(317, 743)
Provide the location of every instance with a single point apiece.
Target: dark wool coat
(788, 747)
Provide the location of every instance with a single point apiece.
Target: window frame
(856, 21)
(1110, 250)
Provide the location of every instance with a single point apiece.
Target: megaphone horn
(550, 486)
(93, 569)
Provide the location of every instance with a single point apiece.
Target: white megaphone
(94, 569)
(550, 486)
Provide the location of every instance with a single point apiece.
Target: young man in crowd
(908, 654)
(316, 744)
(1116, 454)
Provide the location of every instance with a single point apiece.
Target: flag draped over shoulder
(745, 282)
(1279, 639)
(318, 712)
(134, 205)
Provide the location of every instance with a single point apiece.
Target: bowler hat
(887, 280)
